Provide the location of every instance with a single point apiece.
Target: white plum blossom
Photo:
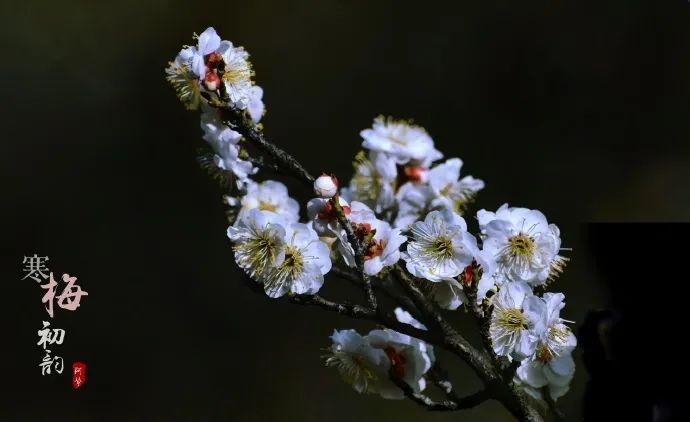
(236, 74)
(524, 245)
(374, 181)
(448, 294)
(326, 186)
(383, 250)
(359, 364)
(441, 247)
(401, 140)
(451, 191)
(259, 241)
(305, 261)
(215, 132)
(189, 68)
(214, 63)
(225, 143)
(383, 241)
(227, 158)
(208, 42)
(409, 359)
(324, 219)
(255, 106)
(552, 363)
(271, 196)
(368, 362)
(516, 316)
(489, 276)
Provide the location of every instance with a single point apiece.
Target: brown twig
(443, 405)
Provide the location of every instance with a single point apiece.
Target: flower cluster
(396, 177)
(217, 67)
(401, 210)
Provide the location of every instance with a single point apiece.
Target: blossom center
(235, 75)
(352, 368)
(267, 206)
(258, 252)
(397, 360)
(294, 261)
(374, 249)
(443, 247)
(511, 319)
(543, 353)
(521, 245)
(446, 190)
(186, 85)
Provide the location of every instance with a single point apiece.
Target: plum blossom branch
(400, 205)
(361, 312)
(240, 122)
(353, 311)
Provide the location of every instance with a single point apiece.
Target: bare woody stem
(443, 405)
(238, 121)
(361, 312)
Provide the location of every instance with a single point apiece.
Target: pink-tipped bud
(417, 174)
(326, 186)
(211, 81)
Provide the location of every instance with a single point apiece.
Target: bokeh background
(576, 108)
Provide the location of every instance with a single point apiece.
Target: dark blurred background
(576, 108)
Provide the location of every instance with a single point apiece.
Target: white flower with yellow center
(401, 140)
(517, 314)
(306, 260)
(368, 362)
(358, 363)
(451, 191)
(524, 245)
(271, 196)
(188, 70)
(408, 359)
(237, 74)
(551, 364)
(441, 247)
(259, 242)
(373, 182)
(228, 159)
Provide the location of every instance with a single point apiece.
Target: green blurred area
(576, 108)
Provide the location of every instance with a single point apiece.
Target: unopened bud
(211, 81)
(326, 186)
(417, 174)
